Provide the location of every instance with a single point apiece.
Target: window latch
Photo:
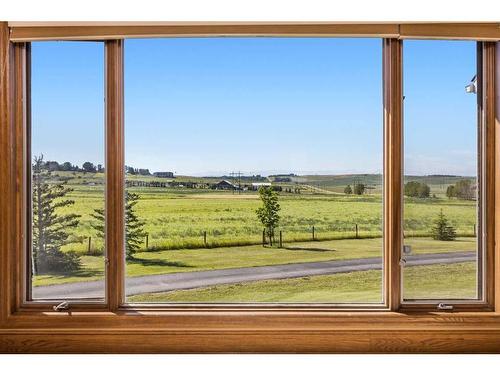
(63, 306)
(444, 306)
(402, 262)
(406, 249)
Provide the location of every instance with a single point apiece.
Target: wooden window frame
(114, 327)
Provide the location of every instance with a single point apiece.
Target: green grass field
(176, 218)
(436, 281)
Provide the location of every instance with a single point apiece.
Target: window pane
(218, 133)
(441, 171)
(67, 176)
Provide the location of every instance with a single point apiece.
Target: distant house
(225, 185)
(257, 185)
(164, 174)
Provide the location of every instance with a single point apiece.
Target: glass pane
(441, 171)
(254, 170)
(67, 175)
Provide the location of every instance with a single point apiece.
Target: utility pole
(234, 175)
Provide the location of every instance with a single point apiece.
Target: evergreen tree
(50, 229)
(348, 189)
(442, 230)
(134, 227)
(268, 214)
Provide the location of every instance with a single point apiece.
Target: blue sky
(440, 118)
(257, 105)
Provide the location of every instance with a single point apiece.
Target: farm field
(176, 218)
(200, 229)
(435, 281)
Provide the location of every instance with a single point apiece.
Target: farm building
(225, 185)
(164, 174)
(256, 185)
(282, 179)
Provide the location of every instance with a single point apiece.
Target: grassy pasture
(177, 217)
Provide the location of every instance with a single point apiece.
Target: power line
(238, 174)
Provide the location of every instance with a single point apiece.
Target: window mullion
(115, 168)
(393, 165)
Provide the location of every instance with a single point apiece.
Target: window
(214, 128)
(442, 192)
(128, 117)
(247, 177)
(66, 251)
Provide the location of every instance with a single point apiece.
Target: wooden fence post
(205, 238)
(281, 239)
(90, 244)
(147, 241)
(356, 230)
(313, 233)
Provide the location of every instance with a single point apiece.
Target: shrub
(55, 261)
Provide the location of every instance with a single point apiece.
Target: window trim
(31, 31)
(228, 328)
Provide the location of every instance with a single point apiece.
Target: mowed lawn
(190, 260)
(427, 282)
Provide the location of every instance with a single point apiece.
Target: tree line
(462, 189)
(137, 171)
(357, 189)
(88, 167)
(54, 166)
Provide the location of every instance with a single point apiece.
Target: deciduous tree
(268, 214)
(88, 167)
(359, 189)
(417, 189)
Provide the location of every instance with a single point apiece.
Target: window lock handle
(444, 306)
(63, 306)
